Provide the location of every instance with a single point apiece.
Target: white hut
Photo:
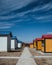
(13, 43)
(5, 41)
(19, 44)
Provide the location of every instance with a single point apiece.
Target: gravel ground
(39, 53)
(43, 61)
(34, 52)
(10, 53)
(48, 54)
(8, 61)
(26, 58)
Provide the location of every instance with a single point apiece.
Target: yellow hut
(39, 43)
(31, 45)
(34, 43)
(47, 43)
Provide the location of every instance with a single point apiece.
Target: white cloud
(17, 15)
(45, 7)
(44, 17)
(6, 25)
(10, 5)
(49, 32)
(17, 4)
(23, 13)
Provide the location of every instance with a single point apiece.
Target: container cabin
(47, 43)
(31, 45)
(39, 43)
(19, 44)
(34, 43)
(13, 43)
(5, 41)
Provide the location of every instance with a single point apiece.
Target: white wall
(3, 44)
(19, 45)
(12, 44)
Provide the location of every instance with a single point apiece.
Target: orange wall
(42, 49)
(34, 44)
(39, 45)
(48, 45)
(31, 45)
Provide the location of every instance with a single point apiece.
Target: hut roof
(47, 36)
(39, 39)
(2, 33)
(14, 37)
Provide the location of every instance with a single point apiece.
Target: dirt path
(26, 58)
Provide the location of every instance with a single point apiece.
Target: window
(42, 42)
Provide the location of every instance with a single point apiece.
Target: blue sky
(26, 19)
